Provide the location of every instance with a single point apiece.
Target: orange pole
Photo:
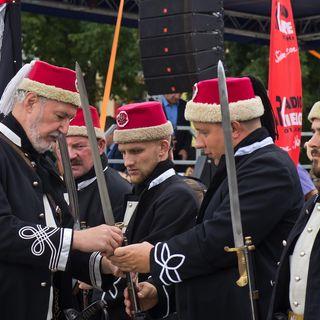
(315, 53)
(107, 88)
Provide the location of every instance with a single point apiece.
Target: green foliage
(64, 41)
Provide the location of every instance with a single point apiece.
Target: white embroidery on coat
(42, 236)
(114, 295)
(165, 258)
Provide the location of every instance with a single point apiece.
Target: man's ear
(101, 145)
(29, 101)
(164, 147)
(236, 129)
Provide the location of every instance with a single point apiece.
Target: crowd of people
(174, 230)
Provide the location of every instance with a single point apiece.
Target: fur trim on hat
(50, 92)
(82, 131)
(143, 134)
(239, 111)
(314, 112)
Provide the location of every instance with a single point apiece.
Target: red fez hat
(52, 82)
(78, 127)
(205, 104)
(144, 121)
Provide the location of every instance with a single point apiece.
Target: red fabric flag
(285, 88)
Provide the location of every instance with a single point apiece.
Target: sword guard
(242, 266)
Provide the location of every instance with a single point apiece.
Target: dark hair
(267, 119)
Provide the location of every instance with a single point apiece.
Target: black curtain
(11, 57)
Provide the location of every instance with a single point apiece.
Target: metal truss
(256, 26)
(239, 24)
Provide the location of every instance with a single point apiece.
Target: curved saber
(245, 264)
(102, 186)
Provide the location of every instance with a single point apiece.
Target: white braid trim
(239, 111)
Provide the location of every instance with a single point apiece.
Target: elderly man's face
(46, 119)
(314, 147)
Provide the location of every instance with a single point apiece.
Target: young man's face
(140, 159)
(210, 139)
(314, 145)
(46, 120)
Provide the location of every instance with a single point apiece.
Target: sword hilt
(242, 267)
(242, 263)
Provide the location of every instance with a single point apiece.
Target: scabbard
(253, 291)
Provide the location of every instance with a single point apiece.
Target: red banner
(285, 88)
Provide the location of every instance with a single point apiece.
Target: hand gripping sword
(243, 249)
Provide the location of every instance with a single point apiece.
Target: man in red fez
(270, 200)
(296, 291)
(38, 248)
(162, 204)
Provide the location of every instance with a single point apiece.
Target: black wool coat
(34, 256)
(89, 198)
(280, 297)
(164, 210)
(270, 200)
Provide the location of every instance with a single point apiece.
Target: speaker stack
(181, 42)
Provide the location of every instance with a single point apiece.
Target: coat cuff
(65, 245)
(164, 265)
(95, 270)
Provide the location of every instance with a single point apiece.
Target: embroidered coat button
(33, 164)
(41, 215)
(297, 278)
(27, 155)
(43, 284)
(130, 204)
(278, 263)
(35, 183)
(284, 243)
(296, 303)
(307, 211)
(318, 207)
(302, 254)
(58, 210)
(309, 229)
(272, 283)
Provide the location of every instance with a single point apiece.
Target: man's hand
(147, 295)
(101, 238)
(84, 286)
(108, 268)
(133, 258)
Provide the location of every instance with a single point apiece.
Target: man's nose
(128, 161)
(199, 143)
(64, 126)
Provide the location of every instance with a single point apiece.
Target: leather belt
(294, 316)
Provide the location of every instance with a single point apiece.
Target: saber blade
(102, 186)
(230, 163)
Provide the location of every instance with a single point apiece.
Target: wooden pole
(107, 88)
(315, 53)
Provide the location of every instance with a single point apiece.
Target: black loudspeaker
(181, 42)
